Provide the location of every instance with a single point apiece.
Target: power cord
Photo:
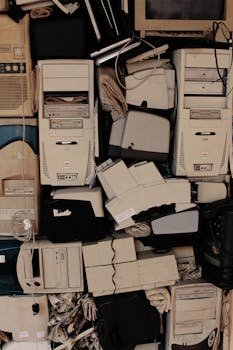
(142, 80)
(21, 222)
(41, 12)
(227, 35)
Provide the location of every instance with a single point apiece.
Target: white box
(157, 270)
(157, 88)
(101, 253)
(148, 271)
(125, 276)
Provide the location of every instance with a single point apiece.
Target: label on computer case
(203, 167)
(41, 334)
(67, 177)
(23, 334)
(2, 259)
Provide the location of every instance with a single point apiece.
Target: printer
(151, 84)
(170, 228)
(138, 188)
(140, 136)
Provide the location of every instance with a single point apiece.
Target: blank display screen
(185, 9)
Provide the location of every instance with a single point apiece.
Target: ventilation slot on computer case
(13, 90)
(44, 162)
(182, 161)
(223, 162)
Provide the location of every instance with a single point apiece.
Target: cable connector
(230, 43)
(27, 224)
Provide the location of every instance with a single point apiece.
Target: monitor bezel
(144, 24)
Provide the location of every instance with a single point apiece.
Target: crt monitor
(182, 15)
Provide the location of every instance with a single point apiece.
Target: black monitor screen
(185, 9)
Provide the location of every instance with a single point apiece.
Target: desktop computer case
(16, 80)
(194, 319)
(19, 180)
(18, 318)
(67, 129)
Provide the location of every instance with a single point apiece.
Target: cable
(111, 96)
(220, 26)
(35, 89)
(142, 80)
(21, 221)
(41, 12)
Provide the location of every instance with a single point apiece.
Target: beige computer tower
(202, 147)
(16, 88)
(204, 112)
(194, 318)
(45, 267)
(21, 321)
(19, 173)
(67, 128)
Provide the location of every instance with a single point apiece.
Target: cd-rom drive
(66, 122)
